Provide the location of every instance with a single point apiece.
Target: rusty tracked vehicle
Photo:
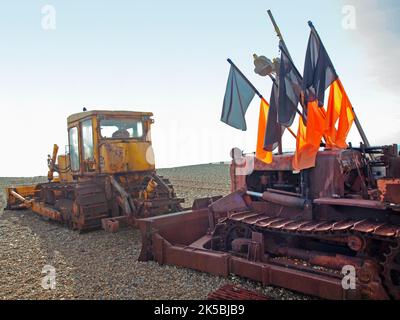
(297, 230)
(107, 175)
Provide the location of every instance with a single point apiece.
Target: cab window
(87, 139)
(74, 148)
(121, 129)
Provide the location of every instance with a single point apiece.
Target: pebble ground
(100, 265)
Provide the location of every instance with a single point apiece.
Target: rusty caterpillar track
(380, 231)
(382, 235)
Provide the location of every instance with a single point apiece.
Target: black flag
(290, 86)
(319, 72)
(273, 130)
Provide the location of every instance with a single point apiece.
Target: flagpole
(356, 121)
(282, 46)
(278, 32)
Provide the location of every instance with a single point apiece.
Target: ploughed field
(100, 265)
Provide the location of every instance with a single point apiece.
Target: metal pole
(280, 147)
(283, 47)
(361, 130)
(278, 32)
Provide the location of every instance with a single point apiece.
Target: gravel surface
(193, 182)
(100, 265)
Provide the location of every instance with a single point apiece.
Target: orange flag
(309, 137)
(261, 154)
(339, 108)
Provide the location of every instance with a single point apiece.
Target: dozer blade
(19, 197)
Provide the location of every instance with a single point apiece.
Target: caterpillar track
(310, 228)
(82, 206)
(357, 239)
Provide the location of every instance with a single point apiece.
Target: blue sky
(169, 57)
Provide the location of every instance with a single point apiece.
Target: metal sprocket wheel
(235, 232)
(391, 271)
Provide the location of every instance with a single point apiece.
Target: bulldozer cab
(109, 142)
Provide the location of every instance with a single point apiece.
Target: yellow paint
(151, 186)
(50, 174)
(126, 156)
(64, 174)
(109, 155)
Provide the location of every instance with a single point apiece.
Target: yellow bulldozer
(106, 176)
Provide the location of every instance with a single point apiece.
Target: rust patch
(389, 190)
